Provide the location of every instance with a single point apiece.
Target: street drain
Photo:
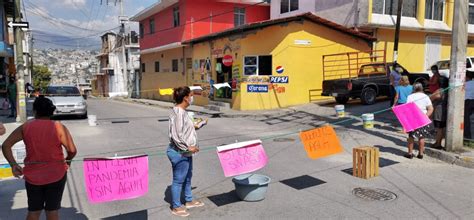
(374, 194)
(284, 139)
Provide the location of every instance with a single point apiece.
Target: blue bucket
(251, 187)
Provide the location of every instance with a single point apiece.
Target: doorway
(432, 51)
(224, 75)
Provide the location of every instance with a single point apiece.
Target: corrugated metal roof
(306, 16)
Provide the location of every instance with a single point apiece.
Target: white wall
(304, 6)
(344, 12)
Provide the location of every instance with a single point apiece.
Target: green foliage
(41, 77)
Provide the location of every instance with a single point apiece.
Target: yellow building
(426, 25)
(264, 65)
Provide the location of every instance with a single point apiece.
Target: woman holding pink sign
(423, 102)
(183, 144)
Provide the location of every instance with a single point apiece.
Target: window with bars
(434, 9)
(239, 16)
(174, 65)
(288, 6)
(471, 11)
(141, 30)
(157, 67)
(258, 65)
(389, 7)
(152, 26)
(176, 21)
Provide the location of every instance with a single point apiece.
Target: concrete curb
(450, 158)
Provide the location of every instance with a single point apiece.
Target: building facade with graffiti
(269, 64)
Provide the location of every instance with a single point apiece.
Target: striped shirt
(182, 133)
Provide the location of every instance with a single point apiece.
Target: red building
(165, 61)
(170, 22)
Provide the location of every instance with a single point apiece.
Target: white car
(68, 101)
(444, 65)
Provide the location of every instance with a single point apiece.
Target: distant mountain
(45, 40)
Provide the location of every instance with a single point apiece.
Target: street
(322, 189)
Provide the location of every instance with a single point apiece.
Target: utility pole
(397, 31)
(20, 67)
(123, 35)
(455, 128)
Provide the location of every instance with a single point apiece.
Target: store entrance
(224, 75)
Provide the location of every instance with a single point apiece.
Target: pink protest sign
(410, 116)
(118, 178)
(243, 157)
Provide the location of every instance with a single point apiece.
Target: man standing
(395, 76)
(468, 103)
(12, 91)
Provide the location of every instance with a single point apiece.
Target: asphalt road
(425, 189)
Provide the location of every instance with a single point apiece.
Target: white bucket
(92, 119)
(340, 111)
(19, 151)
(368, 120)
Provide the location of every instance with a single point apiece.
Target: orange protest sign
(321, 142)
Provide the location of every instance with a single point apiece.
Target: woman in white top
(424, 104)
(183, 144)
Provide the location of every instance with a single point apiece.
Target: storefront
(270, 64)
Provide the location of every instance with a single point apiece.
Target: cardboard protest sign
(321, 142)
(119, 178)
(241, 158)
(410, 116)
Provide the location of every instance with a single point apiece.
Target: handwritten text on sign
(109, 179)
(241, 158)
(410, 116)
(321, 142)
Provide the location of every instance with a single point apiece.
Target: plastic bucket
(19, 151)
(340, 111)
(92, 119)
(251, 187)
(368, 120)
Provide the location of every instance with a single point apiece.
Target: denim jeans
(468, 110)
(182, 173)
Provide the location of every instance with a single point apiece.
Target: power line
(24, 10)
(77, 38)
(48, 16)
(66, 45)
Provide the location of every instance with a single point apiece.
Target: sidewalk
(324, 111)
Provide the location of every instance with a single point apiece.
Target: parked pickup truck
(372, 81)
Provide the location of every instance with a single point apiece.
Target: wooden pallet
(365, 162)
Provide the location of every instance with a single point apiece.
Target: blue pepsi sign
(279, 79)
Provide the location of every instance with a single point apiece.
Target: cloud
(77, 3)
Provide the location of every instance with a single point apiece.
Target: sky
(65, 23)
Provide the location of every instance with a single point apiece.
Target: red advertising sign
(227, 60)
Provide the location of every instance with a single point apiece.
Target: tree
(41, 77)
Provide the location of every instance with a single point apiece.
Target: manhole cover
(374, 194)
(284, 139)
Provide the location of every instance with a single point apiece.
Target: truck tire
(368, 96)
(342, 100)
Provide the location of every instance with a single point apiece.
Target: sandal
(181, 212)
(420, 156)
(194, 204)
(409, 156)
